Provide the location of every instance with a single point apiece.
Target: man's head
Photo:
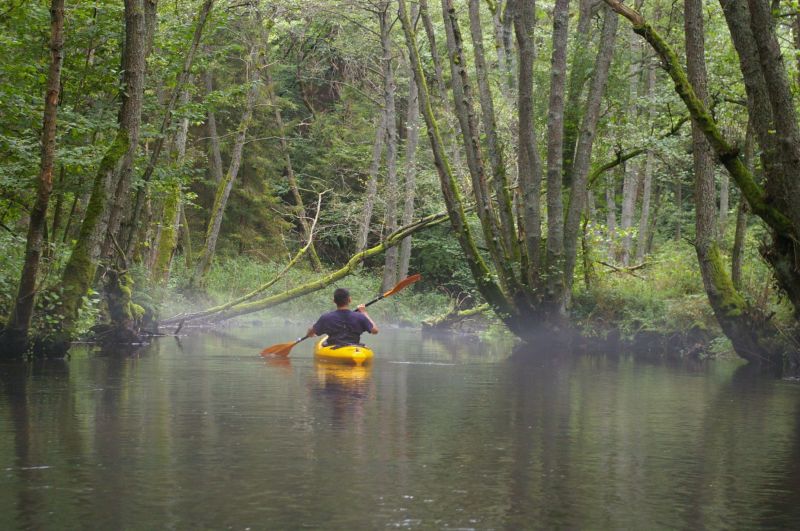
(341, 297)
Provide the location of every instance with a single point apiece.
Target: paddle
(283, 349)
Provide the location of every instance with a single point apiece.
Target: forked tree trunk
(15, 334)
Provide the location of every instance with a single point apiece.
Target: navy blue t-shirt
(344, 327)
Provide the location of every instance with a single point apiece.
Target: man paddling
(343, 326)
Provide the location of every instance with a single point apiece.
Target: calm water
(204, 434)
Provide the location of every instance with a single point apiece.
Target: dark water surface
(204, 434)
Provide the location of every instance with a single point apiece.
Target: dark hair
(341, 297)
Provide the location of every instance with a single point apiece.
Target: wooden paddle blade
(402, 284)
(281, 349)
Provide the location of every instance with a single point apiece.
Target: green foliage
(233, 277)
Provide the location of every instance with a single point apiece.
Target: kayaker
(343, 325)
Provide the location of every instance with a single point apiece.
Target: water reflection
(345, 389)
(433, 435)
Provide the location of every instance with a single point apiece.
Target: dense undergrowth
(664, 301)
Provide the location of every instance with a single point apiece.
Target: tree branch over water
(241, 307)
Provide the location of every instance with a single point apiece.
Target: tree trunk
(437, 61)
(166, 121)
(214, 156)
(555, 148)
(630, 184)
(494, 144)
(737, 255)
(412, 140)
(15, 334)
(679, 206)
(171, 217)
(463, 103)
(766, 93)
(611, 214)
(246, 306)
(224, 189)
(732, 311)
(581, 64)
(371, 194)
(529, 166)
(583, 149)
(390, 186)
(647, 181)
(131, 121)
(450, 189)
(80, 269)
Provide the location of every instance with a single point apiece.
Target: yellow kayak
(350, 354)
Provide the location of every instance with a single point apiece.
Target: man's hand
(361, 308)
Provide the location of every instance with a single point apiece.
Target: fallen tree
(242, 307)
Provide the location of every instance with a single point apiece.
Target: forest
(625, 171)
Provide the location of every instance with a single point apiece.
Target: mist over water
(201, 432)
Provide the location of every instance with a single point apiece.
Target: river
(202, 433)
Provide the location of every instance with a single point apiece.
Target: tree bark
(581, 65)
(171, 216)
(371, 194)
(390, 186)
(630, 184)
(611, 214)
(529, 165)
(647, 181)
(555, 152)
(437, 61)
(214, 156)
(583, 149)
(131, 122)
(494, 144)
(463, 103)
(158, 144)
(15, 334)
(737, 254)
(412, 141)
(449, 185)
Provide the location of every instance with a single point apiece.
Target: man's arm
(363, 309)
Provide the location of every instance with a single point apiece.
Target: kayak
(357, 355)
